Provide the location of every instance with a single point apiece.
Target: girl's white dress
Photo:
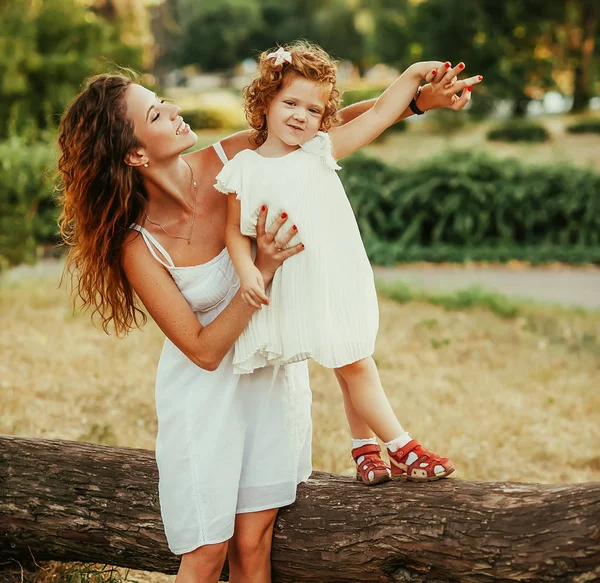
(226, 444)
(323, 303)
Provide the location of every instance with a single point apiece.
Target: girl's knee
(361, 366)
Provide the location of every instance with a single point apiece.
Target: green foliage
(46, 50)
(27, 210)
(352, 96)
(516, 130)
(462, 206)
(206, 118)
(590, 126)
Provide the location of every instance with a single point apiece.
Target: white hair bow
(280, 55)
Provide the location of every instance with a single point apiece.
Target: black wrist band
(413, 103)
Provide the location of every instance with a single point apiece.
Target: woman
(143, 219)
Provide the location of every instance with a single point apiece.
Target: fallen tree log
(72, 501)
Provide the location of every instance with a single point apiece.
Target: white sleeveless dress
(226, 444)
(323, 302)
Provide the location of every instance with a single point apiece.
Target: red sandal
(371, 469)
(414, 463)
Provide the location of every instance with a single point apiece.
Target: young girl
(322, 303)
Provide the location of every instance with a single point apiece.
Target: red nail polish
(461, 66)
(295, 228)
(447, 65)
(434, 72)
(264, 208)
(302, 245)
(470, 88)
(480, 77)
(284, 215)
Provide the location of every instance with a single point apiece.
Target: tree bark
(585, 53)
(72, 501)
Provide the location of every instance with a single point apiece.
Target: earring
(146, 165)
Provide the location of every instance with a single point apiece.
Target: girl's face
(295, 113)
(158, 126)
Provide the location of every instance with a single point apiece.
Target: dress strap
(152, 243)
(220, 152)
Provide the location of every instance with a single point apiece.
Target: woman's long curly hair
(100, 196)
(309, 61)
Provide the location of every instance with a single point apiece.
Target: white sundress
(323, 302)
(226, 444)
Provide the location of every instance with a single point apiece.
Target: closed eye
(158, 112)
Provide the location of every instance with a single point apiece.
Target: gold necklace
(195, 197)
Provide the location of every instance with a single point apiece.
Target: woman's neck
(169, 188)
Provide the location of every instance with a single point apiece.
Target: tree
(46, 50)
(214, 32)
(498, 39)
(583, 47)
(74, 501)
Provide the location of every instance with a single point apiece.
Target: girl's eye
(289, 103)
(315, 111)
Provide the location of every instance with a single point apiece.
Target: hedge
(462, 206)
(590, 126)
(28, 213)
(516, 130)
(454, 207)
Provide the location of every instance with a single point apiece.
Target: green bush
(518, 131)
(352, 96)
(204, 118)
(27, 210)
(589, 126)
(462, 206)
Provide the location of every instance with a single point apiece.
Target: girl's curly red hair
(309, 61)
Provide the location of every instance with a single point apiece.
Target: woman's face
(158, 126)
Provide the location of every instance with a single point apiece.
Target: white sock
(398, 442)
(360, 442)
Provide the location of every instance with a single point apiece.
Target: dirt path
(561, 285)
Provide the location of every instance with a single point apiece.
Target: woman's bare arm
(205, 346)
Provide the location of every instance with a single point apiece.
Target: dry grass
(506, 399)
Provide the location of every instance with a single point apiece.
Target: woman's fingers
(464, 83)
(453, 72)
(286, 237)
(460, 102)
(260, 223)
(277, 223)
(292, 251)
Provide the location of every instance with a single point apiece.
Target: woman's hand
(443, 89)
(270, 252)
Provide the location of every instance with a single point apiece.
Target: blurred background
(462, 214)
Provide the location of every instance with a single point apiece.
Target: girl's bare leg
(368, 399)
(358, 427)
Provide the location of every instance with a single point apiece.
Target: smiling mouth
(182, 127)
(295, 127)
